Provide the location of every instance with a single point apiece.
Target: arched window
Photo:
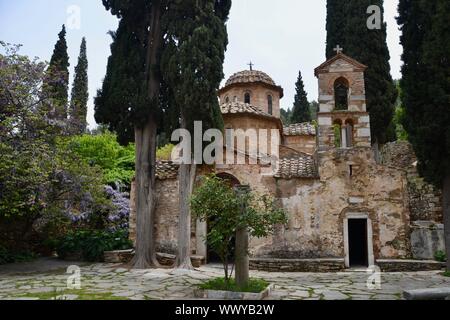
(247, 98)
(270, 104)
(227, 99)
(235, 99)
(341, 87)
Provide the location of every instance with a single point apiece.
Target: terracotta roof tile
(166, 170)
(299, 167)
(240, 107)
(248, 76)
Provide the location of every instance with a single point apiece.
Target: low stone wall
(297, 265)
(408, 265)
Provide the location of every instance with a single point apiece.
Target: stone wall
(166, 217)
(258, 95)
(425, 201)
(317, 208)
(305, 144)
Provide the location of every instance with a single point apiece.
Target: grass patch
(446, 274)
(82, 295)
(254, 285)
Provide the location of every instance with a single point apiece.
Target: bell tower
(342, 118)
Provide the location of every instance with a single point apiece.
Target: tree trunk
(446, 193)
(186, 184)
(145, 256)
(146, 136)
(242, 260)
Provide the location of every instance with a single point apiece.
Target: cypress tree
(336, 21)
(193, 68)
(80, 95)
(56, 85)
(129, 103)
(426, 91)
(370, 48)
(300, 112)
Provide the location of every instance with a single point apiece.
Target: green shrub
(440, 256)
(165, 153)
(91, 244)
(220, 284)
(7, 256)
(103, 150)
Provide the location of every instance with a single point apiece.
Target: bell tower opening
(341, 88)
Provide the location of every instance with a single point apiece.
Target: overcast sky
(280, 37)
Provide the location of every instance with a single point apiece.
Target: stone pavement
(109, 282)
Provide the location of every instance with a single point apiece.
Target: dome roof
(248, 76)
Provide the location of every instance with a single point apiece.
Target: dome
(248, 76)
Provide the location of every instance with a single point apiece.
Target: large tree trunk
(242, 260)
(145, 256)
(186, 184)
(446, 192)
(146, 136)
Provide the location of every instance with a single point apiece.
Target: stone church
(348, 206)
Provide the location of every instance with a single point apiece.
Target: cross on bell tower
(338, 49)
(251, 66)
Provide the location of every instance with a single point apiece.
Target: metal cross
(338, 49)
(251, 66)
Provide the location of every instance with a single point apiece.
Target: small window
(247, 98)
(235, 99)
(270, 104)
(227, 99)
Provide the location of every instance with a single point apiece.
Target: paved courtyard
(109, 281)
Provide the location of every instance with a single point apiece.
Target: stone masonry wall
(425, 201)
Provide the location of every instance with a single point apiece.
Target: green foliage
(300, 112)
(192, 61)
(425, 84)
(80, 95)
(103, 150)
(347, 27)
(221, 284)
(56, 83)
(41, 179)
(286, 116)
(217, 203)
(440, 256)
(13, 257)
(165, 153)
(91, 244)
(337, 136)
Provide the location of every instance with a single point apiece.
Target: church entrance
(357, 243)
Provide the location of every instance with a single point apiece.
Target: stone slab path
(44, 280)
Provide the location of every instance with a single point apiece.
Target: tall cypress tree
(80, 95)
(193, 68)
(300, 112)
(426, 91)
(336, 21)
(129, 103)
(56, 85)
(370, 48)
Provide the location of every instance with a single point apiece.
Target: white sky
(279, 37)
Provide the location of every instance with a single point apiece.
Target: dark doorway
(357, 242)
